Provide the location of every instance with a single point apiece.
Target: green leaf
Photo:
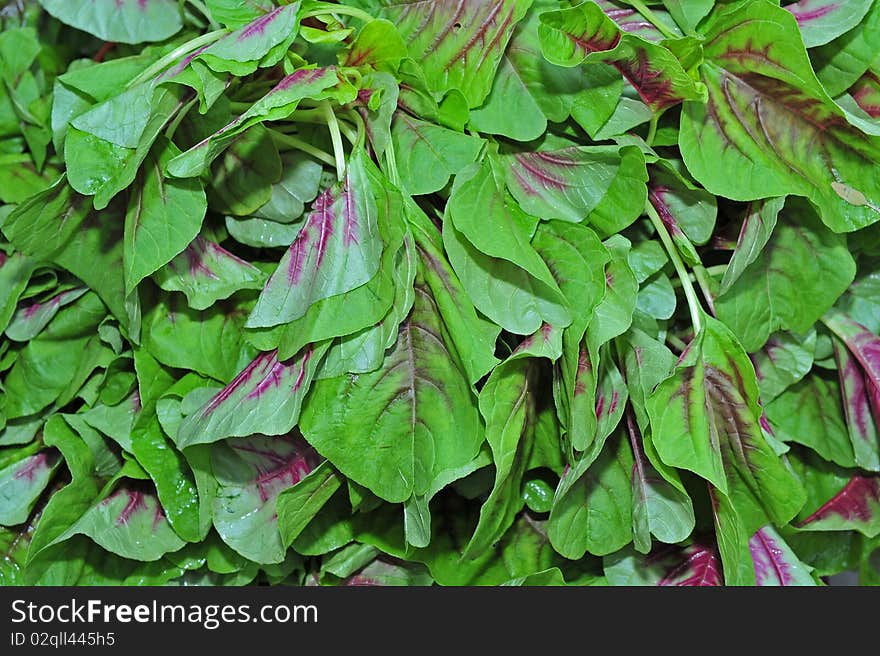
(205, 272)
(265, 397)
(251, 474)
(163, 217)
(757, 226)
(337, 250)
(592, 511)
(298, 505)
(124, 21)
(585, 34)
(474, 337)
(771, 294)
(507, 406)
(705, 419)
(459, 47)
(810, 413)
(210, 342)
(409, 406)
(428, 154)
(769, 128)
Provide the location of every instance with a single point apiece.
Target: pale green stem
(335, 138)
(391, 158)
(652, 129)
(701, 275)
(176, 54)
(298, 144)
(652, 18)
(675, 342)
(689, 292)
(343, 10)
(360, 137)
(172, 126)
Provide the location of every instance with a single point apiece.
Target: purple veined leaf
(756, 229)
(338, 249)
(611, 397)
(459, 43)
(864, 345)
(855, 507)
(584, 33)
(206, 272)
(661, 507)
(866, 93)
(775, 563)
(130, 522)
(857, 395)
(687, 211)
(242, 50)
(419, 410)
(700, 566)
(572, 184)
(770, 128)
(264, 398)
(251, 472)
(22, 482)
(122, 21)
(474, 337)
(276, 104)
(546, 342)
(821, 21)
(382, 573)
(632, 22)
(28, 321)
(705, 418)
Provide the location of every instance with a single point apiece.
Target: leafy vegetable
(485, 292)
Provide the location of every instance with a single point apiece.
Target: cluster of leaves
(454, 291)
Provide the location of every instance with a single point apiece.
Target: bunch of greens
(454, 291)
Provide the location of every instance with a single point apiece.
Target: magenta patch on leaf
(278, 468)
(656, 194)
(41, 461)
(866, 93)
(313, 238)
(135, 503)
(584, 366)
(545, 178)
(197, 265)
(262, 362)
(856, 502)
(769, 558)
(302, 76)
(652, 84)
(803, 12)
(701, 567)
(258, 26)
